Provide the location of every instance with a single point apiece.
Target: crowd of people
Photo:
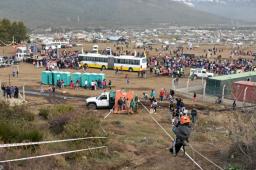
(10, 91)
(174, 64)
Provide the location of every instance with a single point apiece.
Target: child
(154, 105)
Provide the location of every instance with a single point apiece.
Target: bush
(85, 127)
(15, 113)
(243, 155)
(10, 133)
(232, 167)
(59, 110)
(44, 113)
(57, 125)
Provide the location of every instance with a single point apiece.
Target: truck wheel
(92, 106)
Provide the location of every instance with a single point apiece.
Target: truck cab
(104, 100)
(200, 73)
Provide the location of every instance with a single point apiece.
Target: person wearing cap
(182, 133)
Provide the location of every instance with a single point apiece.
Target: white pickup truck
(104, 100)
(200, 73)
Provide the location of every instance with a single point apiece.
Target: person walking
(53, 91)
(17, 73)
(182, 133)
(194, 115)
(194, 97)
(110, 84)
(234, 104)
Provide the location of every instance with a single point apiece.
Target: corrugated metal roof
(234, 76)
(247, 83)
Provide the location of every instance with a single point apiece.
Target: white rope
(171, 137)
(205, 157)
(188, 145)
(111, 111)
(53, 154)
(47, 142)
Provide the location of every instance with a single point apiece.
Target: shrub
(85, 127)
(44, 113)
(10, 133)
(232, 167)
(57, 125)
(59, 110)
(15, 113)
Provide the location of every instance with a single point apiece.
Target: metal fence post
(223, 92)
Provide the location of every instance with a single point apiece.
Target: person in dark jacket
(182, 133)
(16, 92)
(193, 115)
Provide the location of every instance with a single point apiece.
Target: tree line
(12, 30)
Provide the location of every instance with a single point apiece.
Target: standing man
(193, 115)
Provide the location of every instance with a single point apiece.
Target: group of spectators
(174, 66)
(10, 91)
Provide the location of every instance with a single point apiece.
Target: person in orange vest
(182, 132)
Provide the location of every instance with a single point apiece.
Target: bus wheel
(103, 67)
(130, 69)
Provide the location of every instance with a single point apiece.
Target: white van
(200, 73)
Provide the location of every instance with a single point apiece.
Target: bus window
(127, 61)
(80, 58)
(144, 60)
(122, 61)
(132, 62)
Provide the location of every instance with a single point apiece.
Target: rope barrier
(47, 142)
(171, 137)
(53, 154)
(111, 111)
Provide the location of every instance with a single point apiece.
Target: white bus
(123, 62)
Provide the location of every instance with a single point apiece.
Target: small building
(244, 91)
(214, 85)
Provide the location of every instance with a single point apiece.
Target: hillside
(73, 13)
(235, 9)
